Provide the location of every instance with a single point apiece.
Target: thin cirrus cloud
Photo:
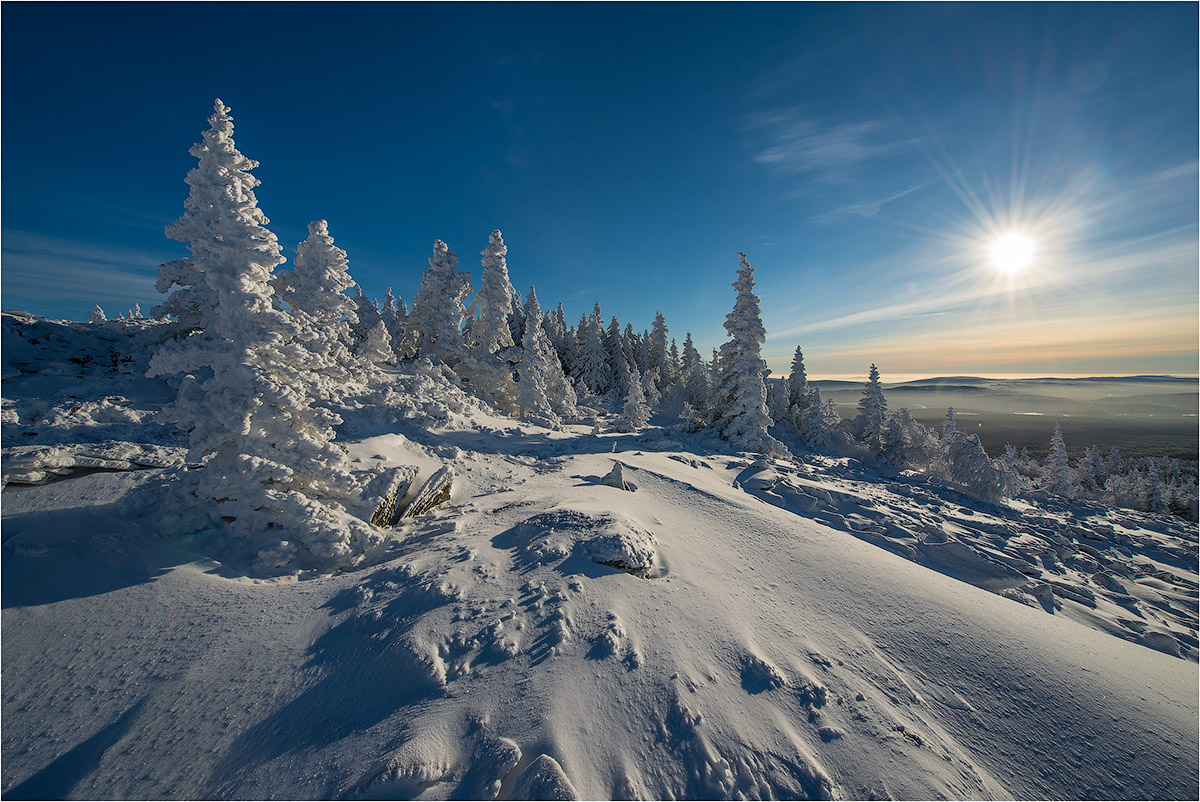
(41, 267)
(797, 144)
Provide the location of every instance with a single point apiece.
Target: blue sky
(863, 156)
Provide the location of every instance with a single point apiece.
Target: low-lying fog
(1141, 415)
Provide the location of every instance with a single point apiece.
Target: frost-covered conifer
(393, 313)
(777, 401)
(97, 315)
(966, 465)
(617, 364)
(591, 363)
(658, 344)
(376, 347)
(272, 471)
(436, 320)
(490, 332)
(635, 413)
(871, 409)
(814, 430)
(893, 442)
(673, 365)
(1058, 467)
(694, 376)
(948, 426)
(543, 390)
(797, 381)
(366, 315)
(219, 185)
(740, 399)
(322, 313)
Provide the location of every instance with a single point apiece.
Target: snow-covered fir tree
(797, 381)
(871, 409)
(97, 315)
(376, 347)
(815, 432)
(220, 182)
(658, 345)
(591, 362)
(490, 332)
(1058, 467)
(965, 465)
(739, 399)
(948, 426)
(366, 315)
(893, 443)
(393, 313)
(322, 313)
(271, 470)
(436, 320)
(543, 390)
(636, 413)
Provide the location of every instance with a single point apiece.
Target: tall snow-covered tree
(97, 315)
(272, 472)
(591, 363)
(219, 184)
(739, 400)
(490, 332)
(393, 313)
(439, 307)
(871, 409)
(797, 381)
(1058, 467)
(949, 425)
(658, 344)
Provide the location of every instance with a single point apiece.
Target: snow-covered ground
(727, 627)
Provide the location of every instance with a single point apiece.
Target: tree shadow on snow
(57, 780)
(55, 555)
(363, 671)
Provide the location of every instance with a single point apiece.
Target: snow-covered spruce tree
(436, 320)
(635, 414)
(797, 381)
(490, 333)
(893, 443)
(97, 315)
(673, 363)
(966, 466)
(1058, 467)
(393, 312)
(591, 363)
(694, 377)
(739, 412)
(272, 472)
(777, 401)
(658, 345)
(871, 409)
(221, 169)
(948, 426)
(814, 430)
(617, 364)
(490, 336)
(544, 394)
(376, 347)
(366, 315)
(322, 313)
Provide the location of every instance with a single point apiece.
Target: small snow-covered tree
(893, 443)
(966, 465)
(635, 413)
(376, 347)
(436, 320)
(871, 409)
(393, 313)
(366, 315)
(1058, 467)
(948, 426)
(811, 423)
(97, 315)
(543, 390)
(797, 381)
(271, 471)
(322, 313)
(740, 399)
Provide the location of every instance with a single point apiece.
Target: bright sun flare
(1012, 253)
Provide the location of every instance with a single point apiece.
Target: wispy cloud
(53, 269)
(821, 148)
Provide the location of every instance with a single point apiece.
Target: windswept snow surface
(724, 627)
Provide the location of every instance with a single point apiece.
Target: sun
(1012, 253)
